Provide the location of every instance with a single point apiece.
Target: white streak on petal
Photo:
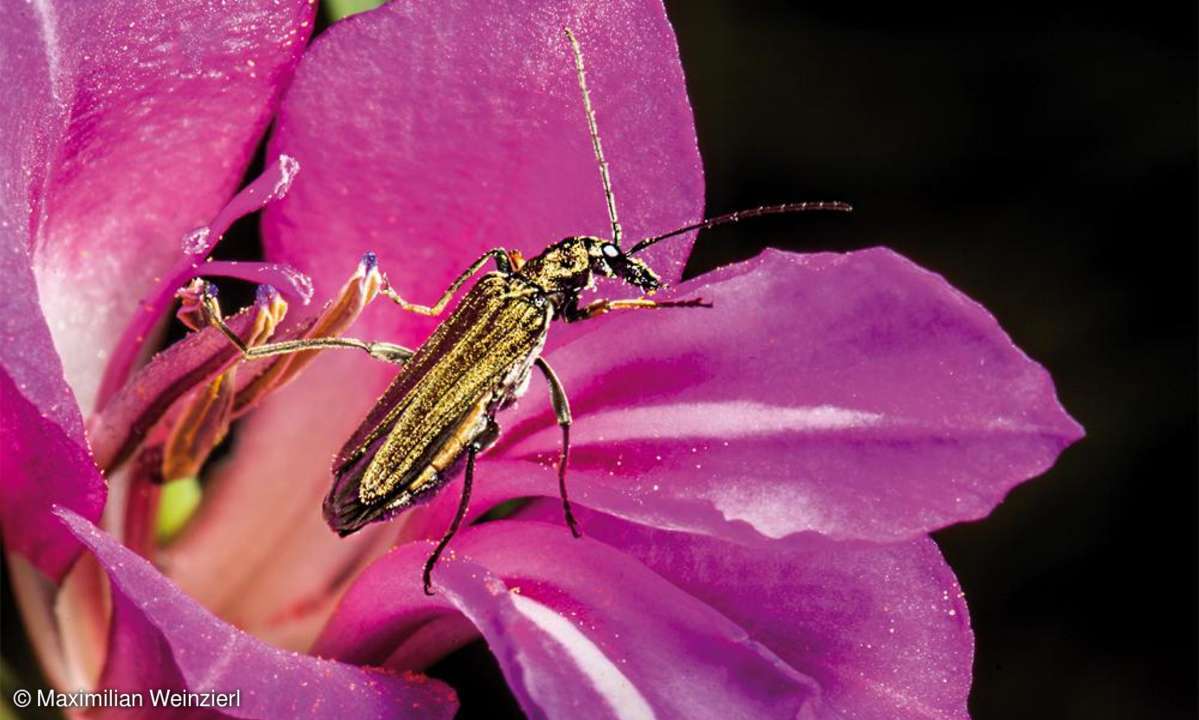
(776, 511)
(720, 420)
(625, 699)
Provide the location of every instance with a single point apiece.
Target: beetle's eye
(611, 251)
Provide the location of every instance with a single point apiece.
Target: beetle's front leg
(574, 313)
(503, 262)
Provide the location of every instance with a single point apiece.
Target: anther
(197, 304)
(337, 316)
(205, 421)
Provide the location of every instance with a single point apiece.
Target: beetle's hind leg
(388, 352)
(562, 410)
(467, 479)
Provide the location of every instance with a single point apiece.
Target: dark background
(1042, 157)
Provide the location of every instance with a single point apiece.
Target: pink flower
(756, 480)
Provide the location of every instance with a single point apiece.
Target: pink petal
(44, 459)
(857, 396)
(430, 132)
(34, 595)
(295, 284)
(43, 456)
(151, 115)
(272, 184)
(162, 638)
(882, 628)
(580, 630)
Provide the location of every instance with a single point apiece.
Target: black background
(1042, 157)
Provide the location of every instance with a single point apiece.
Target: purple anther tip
(210, 289)
(266, 295)
(369, 261)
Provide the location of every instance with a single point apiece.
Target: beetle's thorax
(564, 267)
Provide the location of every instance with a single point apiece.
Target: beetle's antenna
(744, 215)
(595, 138)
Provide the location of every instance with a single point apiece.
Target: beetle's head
(609, 260)
(570, 265)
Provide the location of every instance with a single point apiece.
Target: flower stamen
(362, 287)
(205, 421)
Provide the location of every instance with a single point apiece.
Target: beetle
(439, 412)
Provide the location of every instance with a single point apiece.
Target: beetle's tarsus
(563, 459)
(570, 520)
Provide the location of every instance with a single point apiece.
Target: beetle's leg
(200, 307)
(387, 352)
(468, 477)
(380, 350)
(562, 410)
(502, 262)
(599, 307)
